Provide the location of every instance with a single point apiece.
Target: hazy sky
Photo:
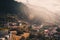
(52, 5)
(49, 9)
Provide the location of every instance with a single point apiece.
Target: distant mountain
(10, 7)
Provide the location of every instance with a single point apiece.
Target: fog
(42, 10)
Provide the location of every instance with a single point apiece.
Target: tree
(58, 29)
(10, 7)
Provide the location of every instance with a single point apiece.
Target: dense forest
(10, 8)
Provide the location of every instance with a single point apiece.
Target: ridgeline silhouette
(10, 7)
